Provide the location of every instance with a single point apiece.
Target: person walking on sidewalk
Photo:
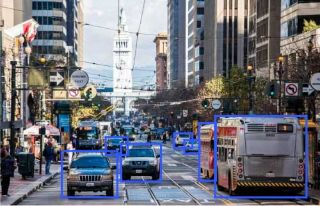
(7, 170)
(48, 153)
(70, 154)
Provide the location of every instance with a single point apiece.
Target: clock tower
(122, 57)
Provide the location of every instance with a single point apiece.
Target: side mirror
(66, 168)
(158, 156)
(113, 167)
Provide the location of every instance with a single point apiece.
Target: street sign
(307, 89)
(315, 81)
(291, 89)
(90, 92)
(74, 93)
(59, 94)
(185, 113)
(216, 104)
(79, 79)
(57, 79)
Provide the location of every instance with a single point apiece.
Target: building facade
(161, 61)
(264, 35)
(226, 35)
(176, 57)
(194, 42)
(51, 39)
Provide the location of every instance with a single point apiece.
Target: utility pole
(13, 107)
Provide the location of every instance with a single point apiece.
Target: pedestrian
(149, 138)
(165, 137)
(7, 171)
(48, 153)
(70, 154)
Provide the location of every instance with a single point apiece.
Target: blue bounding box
(124, 138)
(174, 136)
(189, 146)
(200, 179)
(215, 188)
(160, 159)
(102, 152)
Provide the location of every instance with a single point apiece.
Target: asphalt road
(179, 186)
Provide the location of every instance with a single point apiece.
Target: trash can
(26, 164)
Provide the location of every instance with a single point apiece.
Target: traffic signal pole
(13, 107)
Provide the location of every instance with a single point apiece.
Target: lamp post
(251, 78)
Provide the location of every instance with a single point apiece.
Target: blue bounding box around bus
(200, 179)
(215, 187)
(124, 138)
(103, 152)
(142, 144)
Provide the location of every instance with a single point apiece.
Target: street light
(42, 59)
(251, 78)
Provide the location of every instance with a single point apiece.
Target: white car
(181, 138)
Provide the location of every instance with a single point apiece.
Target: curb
(20, 199)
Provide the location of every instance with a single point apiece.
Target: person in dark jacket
(7, 170)
(48, 153)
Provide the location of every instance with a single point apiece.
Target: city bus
(88, 135)
(206, 156)
(260, 153)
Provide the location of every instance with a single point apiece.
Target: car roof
(140, 147)
(88, 155)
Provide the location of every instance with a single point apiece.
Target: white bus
(260, 152)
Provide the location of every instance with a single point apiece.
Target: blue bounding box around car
(142, 144)
(215, 187)
(103, 153)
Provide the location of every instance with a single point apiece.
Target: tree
(309, 25)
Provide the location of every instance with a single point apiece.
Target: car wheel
(110, 191)
(126, 177)
(71, 192)
(156, 176)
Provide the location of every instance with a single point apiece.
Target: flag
(28, 29)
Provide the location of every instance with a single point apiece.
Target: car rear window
(90, 162)
(141, 153)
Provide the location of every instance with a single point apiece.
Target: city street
(179, 187)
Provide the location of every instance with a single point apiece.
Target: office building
(264, 35)
(51, 39)
(161, 61)
(176, 43)
(194, 42)
(225, 34)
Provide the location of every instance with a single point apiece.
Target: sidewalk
(19, 189)
(314, 196)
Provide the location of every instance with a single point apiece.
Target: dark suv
(90, 172)
(141, 161)
(115, 143)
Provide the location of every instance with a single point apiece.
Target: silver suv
(141, 161)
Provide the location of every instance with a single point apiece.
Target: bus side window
(230, 153)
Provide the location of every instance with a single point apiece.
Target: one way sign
(57, 79)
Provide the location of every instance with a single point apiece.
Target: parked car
(141, 161)
(90, 172)
(180, 138)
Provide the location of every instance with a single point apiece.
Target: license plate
(138, 171)
(90, 184)
(270, 175)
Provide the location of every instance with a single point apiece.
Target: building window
(196, 66)
(198, 24)
(287, 3)
(201, 50)
(201, 65)
(200, 11)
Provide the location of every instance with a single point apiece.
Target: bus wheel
(230, 192)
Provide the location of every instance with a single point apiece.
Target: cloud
(98, 42)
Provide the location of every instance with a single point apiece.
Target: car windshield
(90, 162)
(115, 141)
(87, 134)
(141, 153)
(184, 136)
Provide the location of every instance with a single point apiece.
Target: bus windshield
(87, 134)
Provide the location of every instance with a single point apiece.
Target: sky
(98, 42)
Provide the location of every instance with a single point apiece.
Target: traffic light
(89, 93)
(272, 89)
(205, 103)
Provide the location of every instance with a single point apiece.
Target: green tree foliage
(309, 25)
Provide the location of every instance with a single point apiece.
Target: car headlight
(74, 172)
(97, 142)
(124, 162)
(73, 177)
(153, 162)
